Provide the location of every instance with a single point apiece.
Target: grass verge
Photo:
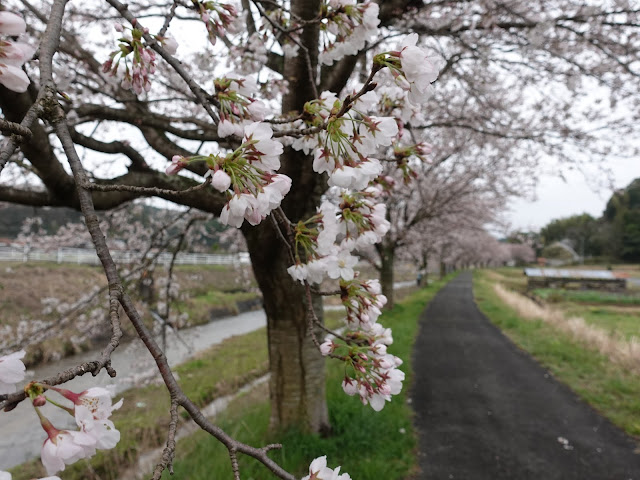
(609, 388)
(384, 441)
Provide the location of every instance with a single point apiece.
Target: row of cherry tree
(282, 119)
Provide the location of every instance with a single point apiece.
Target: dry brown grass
(618, 349)
(23, 286)
(35, 301)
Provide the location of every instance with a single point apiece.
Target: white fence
(86, 256)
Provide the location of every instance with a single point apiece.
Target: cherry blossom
(101, 429)
(13, 78)
(238, 105)
(64, 447)
(318, 470)
(97, 400)
(138, 58)
(341, 265)
(217, 17)
(13, 54)
(11, 24)
(220, 181)
(11, 371)
(169, 43)
(413, 68)
(347, 27)
(177, 163)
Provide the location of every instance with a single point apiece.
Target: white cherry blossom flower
(11, 371)
(341, 265)
(220, 181)
(11, 24)
(170, 44)
(13, 78)
(64, 448)
(102, 430)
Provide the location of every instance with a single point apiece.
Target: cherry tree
(459, 187)
(275, 102)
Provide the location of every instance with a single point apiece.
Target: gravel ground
(487, 410)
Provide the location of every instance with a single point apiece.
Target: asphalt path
(487, 410)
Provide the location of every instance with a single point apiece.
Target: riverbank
(238, 360)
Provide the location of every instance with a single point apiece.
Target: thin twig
(12, 142)
(168, 454)
(103, 187)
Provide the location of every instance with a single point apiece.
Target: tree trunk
(424, 268)
(387, 256)
(297, 384)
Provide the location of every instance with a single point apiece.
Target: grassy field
(596, 357)
(587, 296)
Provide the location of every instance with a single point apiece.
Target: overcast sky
(581, 192)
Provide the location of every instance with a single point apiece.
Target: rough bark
(297, 384)
(387, 257)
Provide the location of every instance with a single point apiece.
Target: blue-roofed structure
(565, 278)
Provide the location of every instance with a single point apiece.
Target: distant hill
(12, 216)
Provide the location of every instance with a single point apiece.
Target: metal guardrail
(87, 256)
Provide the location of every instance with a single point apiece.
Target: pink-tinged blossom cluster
(13, 54)
(92, 411)
(363, 302)
(257, 189)
(346, 27)
(218, 17)
(318, 470)
(393, 103)
(138, 58)
(413, 68)
(11, 371)
(238, 105)
(247, 176)
(317, 254)
(372, 373)
(404, 156)
(345, 147)
(327, 239)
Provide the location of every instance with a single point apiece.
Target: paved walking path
(488, 411)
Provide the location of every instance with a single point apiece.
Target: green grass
(385, 440)
(587, 296)
(601, 309)
(609, 388)
(199, 307)
(617, 323)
